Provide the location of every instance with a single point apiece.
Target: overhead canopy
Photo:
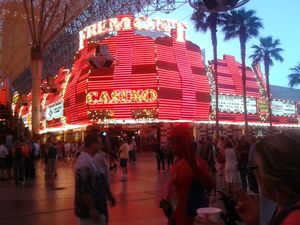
(16, 37)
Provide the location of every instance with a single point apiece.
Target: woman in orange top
(188, 168)
(277, 169)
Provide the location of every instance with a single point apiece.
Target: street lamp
(216, 5)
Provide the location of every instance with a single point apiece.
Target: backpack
(18, 153)
(278, 218)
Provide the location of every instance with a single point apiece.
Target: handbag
(196, 198)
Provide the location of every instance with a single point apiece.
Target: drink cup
(212, 213)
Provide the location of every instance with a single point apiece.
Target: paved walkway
(50, 201)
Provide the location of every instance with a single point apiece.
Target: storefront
(137, 82)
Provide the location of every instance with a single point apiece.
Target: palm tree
(244, 25)
(267, 50)
(210, 21)
(294, 77)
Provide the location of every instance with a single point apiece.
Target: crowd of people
(243, 169)
(228, 159)
(19, 159)
(198, 170)
(274, 162)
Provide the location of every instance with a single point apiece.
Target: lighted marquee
(55, 111)
(283, 108)
(128, 23)
(231, 103)
(26, 120)
(234, 104)
(262, 106)
(121, 96)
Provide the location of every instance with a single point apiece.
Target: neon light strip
(124, 122)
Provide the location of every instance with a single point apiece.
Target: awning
(15, 36)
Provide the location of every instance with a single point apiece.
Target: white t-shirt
(67, 147)
(124, 151)
(3, 151)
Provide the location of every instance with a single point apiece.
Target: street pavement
(50, 201)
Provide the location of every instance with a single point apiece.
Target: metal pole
(8, 91)
(36, 70)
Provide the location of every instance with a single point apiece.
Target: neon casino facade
(153, 83)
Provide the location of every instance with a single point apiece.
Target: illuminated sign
(24, 119)
(126, 23)
(262, 106)
(2, 84)
(121, 96)
(27, 120)
(234, 104)
(16, 98)
(55, 111)
(282, 108)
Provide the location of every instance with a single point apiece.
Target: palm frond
(204, 21)
(296, 69)
(294, 79)
(268, 50)
(241, 20)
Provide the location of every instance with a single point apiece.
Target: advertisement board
(234, 104)
(26, 120)
(55, 111)
(298, 108)
(262, 106)
(283, 108)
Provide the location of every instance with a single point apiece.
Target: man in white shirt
(67, 148)
(3, 156)
(124, 153)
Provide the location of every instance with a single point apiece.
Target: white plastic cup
(212, 213)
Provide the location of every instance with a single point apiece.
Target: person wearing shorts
(124, 154)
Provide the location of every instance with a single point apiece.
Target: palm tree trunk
(267, 71)
(243, 56)
(215, 52)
